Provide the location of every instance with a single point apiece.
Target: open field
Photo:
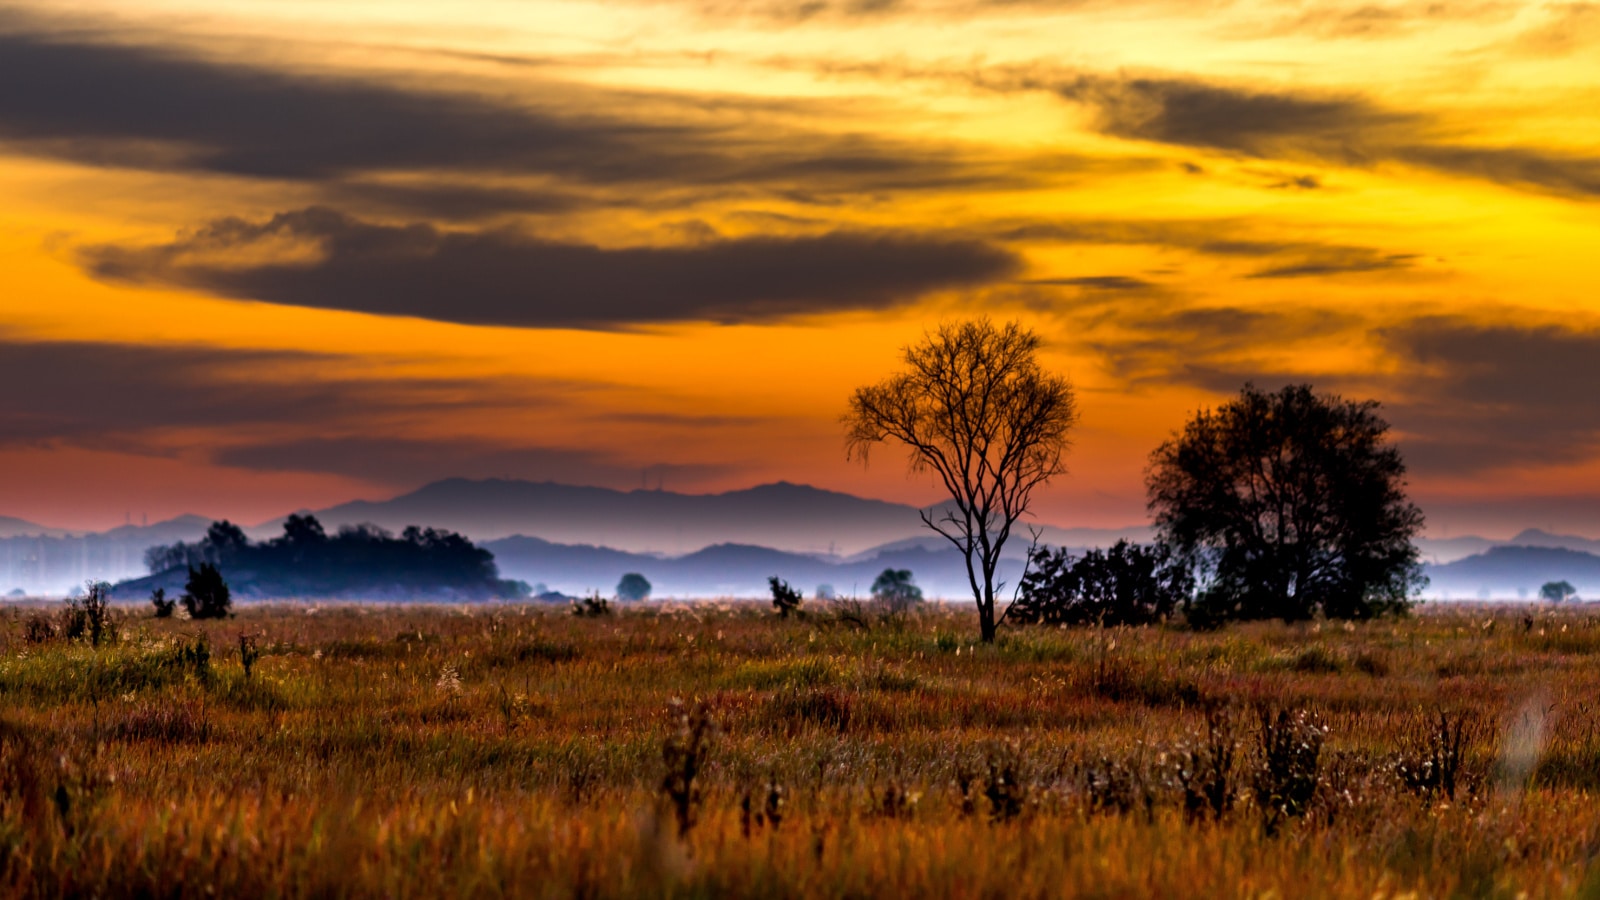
(482, 751)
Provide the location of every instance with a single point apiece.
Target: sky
(261, 255)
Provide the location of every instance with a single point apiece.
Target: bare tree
(976, 409)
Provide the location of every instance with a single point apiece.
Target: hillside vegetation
(713, 750)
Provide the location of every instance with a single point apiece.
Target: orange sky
(258, 256)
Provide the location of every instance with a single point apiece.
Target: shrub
(1434, 765)
(785, 599)
(89, 618)
(1004, 787)
(1205, 769)
(686, 751)
(206, 594)
(1129, 584)
(163, 606)
(249, 652)
(39, 629)
(591, 607)
(1288, 766)
(633, 586)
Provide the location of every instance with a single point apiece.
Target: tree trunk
(986, 624)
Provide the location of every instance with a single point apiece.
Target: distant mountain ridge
(732, 570)
(782, 515)
(1515, 572)
(14, 527)
(600, 529)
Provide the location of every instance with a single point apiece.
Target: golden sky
(261, 255)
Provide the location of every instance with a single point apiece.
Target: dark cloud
(1345, 130)
(1215, 237)
(104, 103)
(219, 404)
(505, 277)
(455, 201)
(1098, 283)
(1464, 397)
(122, 396)
(403, 462)
(1484, 396)
(1340, 261)
(1266, 124)
(1205, 346)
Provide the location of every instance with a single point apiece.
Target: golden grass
(508, 750)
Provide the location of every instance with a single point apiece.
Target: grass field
(707, 750)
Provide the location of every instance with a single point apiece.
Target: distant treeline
(360, 560)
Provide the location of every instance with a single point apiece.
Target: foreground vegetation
(706, 750)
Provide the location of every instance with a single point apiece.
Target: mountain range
(575, 539)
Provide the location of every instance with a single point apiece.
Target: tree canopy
(633, 586)
(974, 407)
(1288, 504)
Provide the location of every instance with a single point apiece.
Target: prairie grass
(716, 749)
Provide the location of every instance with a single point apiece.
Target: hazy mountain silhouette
(58, 561)
(1536, 537)
(574, 538)
(1512, 572)
(782, 515)
(730, 570)
(13, 527)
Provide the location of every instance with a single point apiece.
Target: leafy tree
(1129, 584)
(977, 410)
(206, 595)
(785, 599)
(1558, 591)
(633, 586)
(1289, 504)
(896, 588)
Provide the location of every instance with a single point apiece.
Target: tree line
(307, 561)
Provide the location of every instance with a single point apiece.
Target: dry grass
(486, 751)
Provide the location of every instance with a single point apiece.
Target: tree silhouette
(785, 599)
(206, 595)
(1128, 584)
(1557, 591)
(633, 586)
(1288, 504)
(897, 588)
(976, 409)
